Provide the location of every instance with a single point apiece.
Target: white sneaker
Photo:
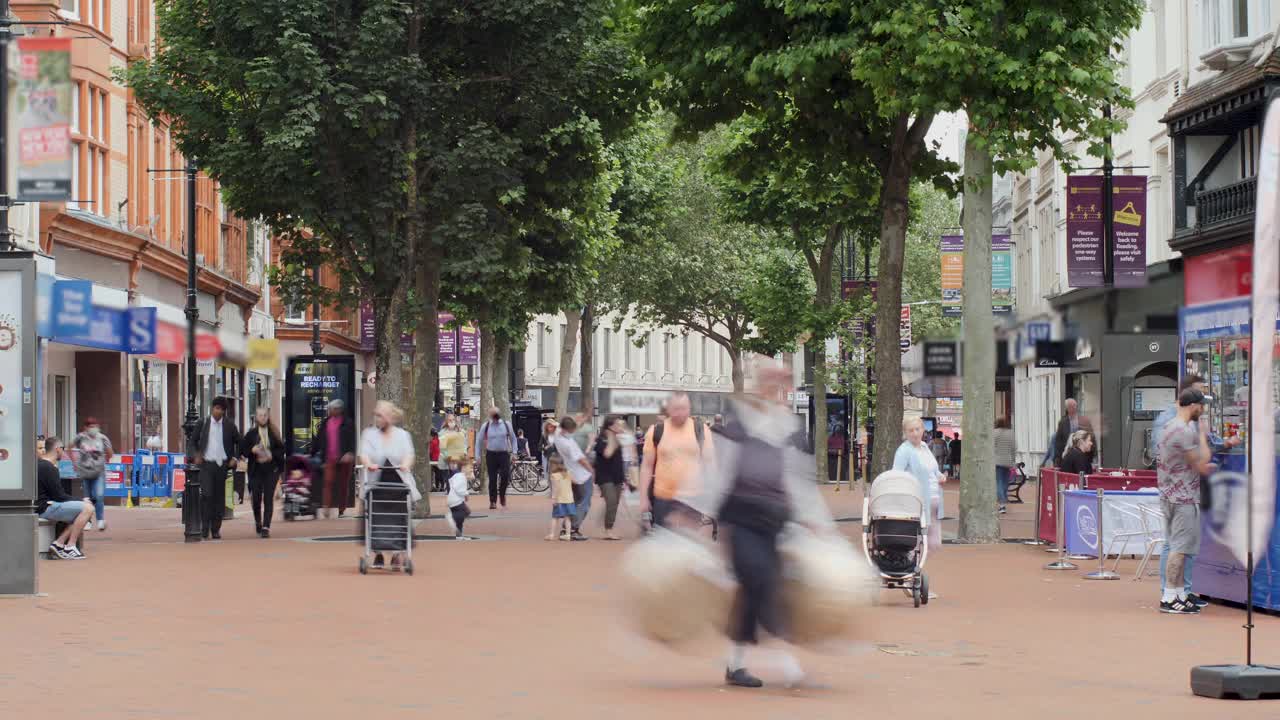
(88, 526)
(462, 537)
(102, 525)
(73, 553)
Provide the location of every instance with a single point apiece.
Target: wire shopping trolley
(388, 524)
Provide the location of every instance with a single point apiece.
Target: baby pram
(895, 533)
(297, 491)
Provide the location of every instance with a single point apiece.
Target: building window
(628, 341)
(295, 312)
(541, 344)
(722, 353)
(71, 8)
(72, 204)
(666, 352)
(704, 366)
(1226, 22)
(685, 364)
(648, 352)
(607, 348)
(91, 196)
(104, 201)
(1158, 13)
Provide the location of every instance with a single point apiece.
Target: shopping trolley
(388, 524)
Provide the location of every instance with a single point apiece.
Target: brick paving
(519, 628)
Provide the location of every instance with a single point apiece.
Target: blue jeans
(584, 504)
(1002, 484)
(1186, 568)
(93, 489)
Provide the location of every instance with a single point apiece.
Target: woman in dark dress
(1077, 459)
(611, 472)
(264, 448)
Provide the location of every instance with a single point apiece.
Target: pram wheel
(924, 590)
(364, 566)
(915, 595)
(408, 567)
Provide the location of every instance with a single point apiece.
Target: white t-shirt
(571, 455)
(457, 489)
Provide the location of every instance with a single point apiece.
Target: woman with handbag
(264, 449)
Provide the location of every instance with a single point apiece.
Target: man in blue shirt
(497, 440)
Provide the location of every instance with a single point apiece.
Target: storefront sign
(636, 402)
(1219, 275)
(43, 105)
(941, 359)
(952, 274)
(1129, 225)
(1084, 231)
(72, 307)
(132, 331)
(264, 354)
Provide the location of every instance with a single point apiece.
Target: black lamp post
(316, 346)
(191, 501)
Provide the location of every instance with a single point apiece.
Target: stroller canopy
(896, 495)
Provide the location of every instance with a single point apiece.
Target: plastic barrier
(117, 477)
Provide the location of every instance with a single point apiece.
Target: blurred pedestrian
(953, 455)
(914, 457)
(563, 509)
(453, 442)
(91, 450)
(580, 471)
(264, 448)
(386, 451)
(611, 470)
(217, 448)
(439, 476)
(938, 446)
(1006, 454)
(1067, 426)
(1077, 461)
(497, 441)
(522, 445)
(673, 452)
(459, 511)
(335, 447)
(759, 480)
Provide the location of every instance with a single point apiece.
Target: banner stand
(1062, 509)
(1061, 563)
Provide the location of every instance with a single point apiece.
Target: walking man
(1182, 458)
(498, 441)
(673, 451)
(335, 446)
(580, 470)
(91, 452)
(217, 443)
(1067, 427)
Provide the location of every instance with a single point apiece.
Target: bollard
(1102, 573)
(1061, 563)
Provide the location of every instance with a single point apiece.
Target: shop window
(71, 8)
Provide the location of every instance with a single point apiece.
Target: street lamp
(191, 501)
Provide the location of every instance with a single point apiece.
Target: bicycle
(476, 481)
(527, 477)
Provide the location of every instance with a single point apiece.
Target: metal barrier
(1061, 563)
(1102, 573)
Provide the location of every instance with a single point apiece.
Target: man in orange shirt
(673, 453)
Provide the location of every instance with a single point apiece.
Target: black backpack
(657, 436)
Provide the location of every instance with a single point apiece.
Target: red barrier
(1122, 482)
(1049, 479)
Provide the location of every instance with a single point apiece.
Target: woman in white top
(386, 451)
(914, 457)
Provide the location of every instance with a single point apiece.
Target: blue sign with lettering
(72, 307)
(142, 330)
(1037, 331)
(132, 330)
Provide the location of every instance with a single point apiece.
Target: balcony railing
(1226, 203)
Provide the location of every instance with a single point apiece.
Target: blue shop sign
(72, 308)
(76, 321)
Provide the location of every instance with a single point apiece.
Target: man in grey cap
(334, 445)
(1182, 458)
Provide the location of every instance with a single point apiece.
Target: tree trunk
(387, 314)
(739, 377)
(487, 357)
(502, 375)
(568, 344)
(588, 333)
(426, 370)
(823, 282)
(978, 519)
(895, 196)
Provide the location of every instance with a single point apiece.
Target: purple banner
(448, 342)
(468, 345)
(369, 334)
(1084, 231)
(1129, 223)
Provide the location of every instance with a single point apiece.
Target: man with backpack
(673, 451)
(498, 441)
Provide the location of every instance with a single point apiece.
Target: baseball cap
(1190, 396)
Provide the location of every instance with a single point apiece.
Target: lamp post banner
(1084, 231)
(1129, 224)
(952, 274)
(43, 107)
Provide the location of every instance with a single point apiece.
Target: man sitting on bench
(56, 506)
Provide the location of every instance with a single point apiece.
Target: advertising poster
(309, 386)
(43, 107)
(1084, 231)
(1129, 223)
(1001, 274)
(368, 331)
(468, 345)
(448, 340)
(952, 274)
(904, 325)
(15, 443)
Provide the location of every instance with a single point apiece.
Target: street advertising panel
(311, 382)
(17, 369)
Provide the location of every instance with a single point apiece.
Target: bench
(46, 532)
(1017, 478)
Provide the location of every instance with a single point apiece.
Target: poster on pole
(904, 327)
(1001, 274)
(447, 342)
(468, 345)
(42, 105)
(1084, 231)
(952, 274)
(1129, 224)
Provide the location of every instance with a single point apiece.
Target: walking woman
(386, 449)
(264, 448)
(611, 472)
(1006, 457)
(760, 480)
(335, 447)
(914, 457)
(91, 450)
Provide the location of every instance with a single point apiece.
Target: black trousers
(499, 464)
(213, 495)
(758, 566)
(460, 514)
(262, 493)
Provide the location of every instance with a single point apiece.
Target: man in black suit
(217, 448)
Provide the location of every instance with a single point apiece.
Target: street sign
(1051, 354)
(941, 358)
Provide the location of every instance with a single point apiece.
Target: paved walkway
(519, 628)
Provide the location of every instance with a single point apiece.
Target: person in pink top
(335, 447)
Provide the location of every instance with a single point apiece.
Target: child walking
(563, 508)
(458, 509)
